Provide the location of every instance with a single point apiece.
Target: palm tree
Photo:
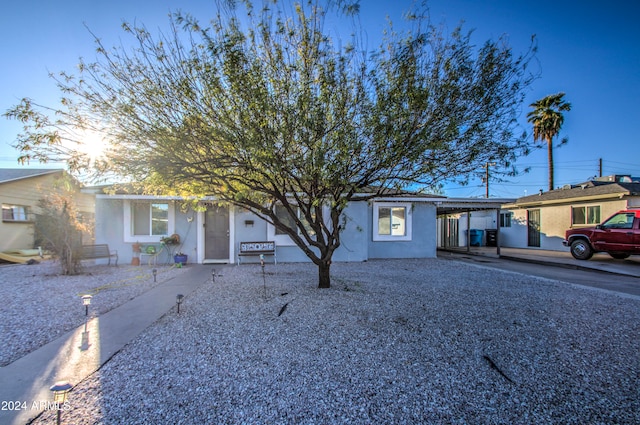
(547, 119)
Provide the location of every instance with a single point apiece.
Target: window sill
(381, 238)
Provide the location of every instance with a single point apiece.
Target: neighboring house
(540, 221)
(387, 227)
(20, 191)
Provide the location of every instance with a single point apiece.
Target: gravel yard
(39, 305)
(397, 341)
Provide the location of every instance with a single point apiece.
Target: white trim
(408, 222)
(129, 237)
(141, 197)
(200, 237)
(232, 234)
(152, 197)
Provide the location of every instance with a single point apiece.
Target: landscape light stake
(86, 301)
(264, 279)
(155, 274)
(60, 390)
(179, 298)
(213, 275)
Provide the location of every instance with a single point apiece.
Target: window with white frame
(585, 215)
(280, 236)
(14, 213)
(392, 221)
(148, 221)
(505, 219)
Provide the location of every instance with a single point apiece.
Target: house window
(150, 219)
(284, 216)
(286, 219)
(147, 221)
(14, 213)
(505, 219)
(391, 222)
(585, 215)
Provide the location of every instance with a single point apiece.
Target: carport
(448, 230)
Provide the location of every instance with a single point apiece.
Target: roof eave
(568, 200)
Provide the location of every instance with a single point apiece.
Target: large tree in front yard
(264, 109)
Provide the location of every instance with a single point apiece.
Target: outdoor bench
(92, 252)
(257, 249)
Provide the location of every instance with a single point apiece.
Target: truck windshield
(619, 221)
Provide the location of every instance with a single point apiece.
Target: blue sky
(588, 49)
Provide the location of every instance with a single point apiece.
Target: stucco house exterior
(386, 227)
(540, 221)
(20, 191)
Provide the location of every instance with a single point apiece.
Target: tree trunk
(324, 279)
(550, 156)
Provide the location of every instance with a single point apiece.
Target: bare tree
(59, 229)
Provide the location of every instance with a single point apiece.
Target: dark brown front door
(216, 244)
(533, 224)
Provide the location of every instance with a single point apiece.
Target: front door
(216, 234)
(533, 224)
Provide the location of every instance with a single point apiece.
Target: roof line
(41, 172)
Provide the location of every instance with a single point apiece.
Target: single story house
(402, 226)
(540, 221)
(20, 191)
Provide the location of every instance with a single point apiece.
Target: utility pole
(486, 177)
(600, 167)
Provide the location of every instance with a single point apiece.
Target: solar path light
(155, 274)
(179, 299)
(86, 302)
(60, 390)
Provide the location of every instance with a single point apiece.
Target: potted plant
(135, 260)
(180, 258)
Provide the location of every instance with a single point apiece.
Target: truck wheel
(581, 250)
(619, 255)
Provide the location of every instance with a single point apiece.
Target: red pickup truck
(619, 236)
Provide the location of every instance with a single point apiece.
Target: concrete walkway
(25, 383)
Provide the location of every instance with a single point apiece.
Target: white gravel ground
(398, 341)
(38, 305)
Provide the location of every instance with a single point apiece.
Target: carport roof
(462, 205)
